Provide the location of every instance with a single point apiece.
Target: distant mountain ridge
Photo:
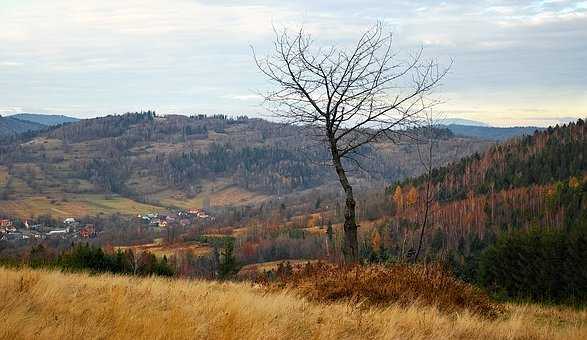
(44, 119)
(461, 121)
(12, 126)
(26, 122)
(492, 133)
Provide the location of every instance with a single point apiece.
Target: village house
(57, 233)
(13, 236)
(88, 231)
(200, 213)
(5, 223)
(35, 234)
(9, 229)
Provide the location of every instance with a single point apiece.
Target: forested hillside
(536, 182)
(44, 119)
(30, 122)
(547, 156)
(181, 160)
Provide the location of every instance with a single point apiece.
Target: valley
(293, 170)
(139, 161)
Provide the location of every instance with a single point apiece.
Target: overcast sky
(515, 62)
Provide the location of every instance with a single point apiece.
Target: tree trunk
(351, 245)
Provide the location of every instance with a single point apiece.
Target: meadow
(162, 249)
(74, 206)
(40, 304)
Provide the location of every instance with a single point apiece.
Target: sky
(515, 62)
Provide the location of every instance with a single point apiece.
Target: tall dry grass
(54, 305)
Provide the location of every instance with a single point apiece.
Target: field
(74, 206)
(267, 266)
(196, 249)
(54, 305)
(218, 194)
(3, 175)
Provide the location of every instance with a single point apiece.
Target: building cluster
(183, 218)
(70, 229)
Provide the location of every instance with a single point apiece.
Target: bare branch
(352, 96)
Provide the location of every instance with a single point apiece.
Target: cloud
(96, 56)
(245, 97)
(10, 64)
(4, 110)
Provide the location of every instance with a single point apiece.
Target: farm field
(159, 249)
(55, 305)
(3, 175)
(74, 206)
(267, 266)
(218, 194)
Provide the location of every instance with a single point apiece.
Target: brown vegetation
(383, 285)
(164, 249)
(53, 305)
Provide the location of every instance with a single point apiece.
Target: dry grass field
(54, 305)
(218, 193)
(3, 175)
(267, 266)
(160, 250)
(74, 206)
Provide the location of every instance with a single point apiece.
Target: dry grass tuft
(382, 285)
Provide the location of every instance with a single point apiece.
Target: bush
(384, 284)
(540, 265)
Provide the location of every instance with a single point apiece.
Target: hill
(531, 182)
(490, 132)
(44, 304)
(12, 126)
(29, 122)
(44, 119)
(461, 121)
(180, 161)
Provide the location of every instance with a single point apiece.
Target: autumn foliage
(383, 285)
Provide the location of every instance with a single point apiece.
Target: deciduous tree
(352, 97)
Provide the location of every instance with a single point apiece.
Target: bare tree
(427, 162)
(350, 97)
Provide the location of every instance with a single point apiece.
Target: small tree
(428, 197)
(228, 265)
(350, 97)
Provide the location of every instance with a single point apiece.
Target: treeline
(86, 257)
(101, 127)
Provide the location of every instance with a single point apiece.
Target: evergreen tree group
(86, 257)
(541, 265)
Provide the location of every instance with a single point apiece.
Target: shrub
(384, 284)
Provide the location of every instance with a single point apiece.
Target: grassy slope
(168, 250)
(75, 206)
(52, 305)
